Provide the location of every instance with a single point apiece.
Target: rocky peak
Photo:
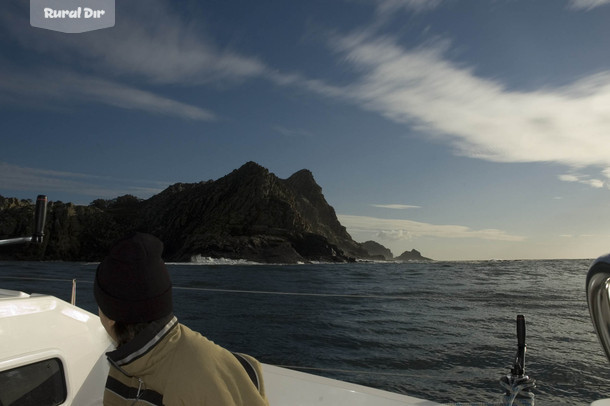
(249, 169)
(377, 250)
(247, 212)
(304, 182)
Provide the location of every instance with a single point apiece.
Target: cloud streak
(587, 4)
(149, 41)
(395, 206)
(394, 229)
(479, 118)
(59, 86)
(584, 179)
(390, 6)
(155, 43)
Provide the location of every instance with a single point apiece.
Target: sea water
(443, 331)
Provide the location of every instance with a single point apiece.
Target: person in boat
(158, 360)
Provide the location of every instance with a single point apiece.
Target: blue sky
(463, 129)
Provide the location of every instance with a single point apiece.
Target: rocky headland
(249, 214)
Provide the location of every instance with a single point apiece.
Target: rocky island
(413, 255)
(249, 214)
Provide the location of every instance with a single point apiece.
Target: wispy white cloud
(480, 118)
(568, 178)
(584, 179)
(68, 87)
(395, 206)
(587, 4)
(131, 98)
(153, 42)
(596, 183)
(150, 41)
(586, 236)
(392, 6)
(46, 181)
(394, 229)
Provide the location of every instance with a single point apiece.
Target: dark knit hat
(132, 284)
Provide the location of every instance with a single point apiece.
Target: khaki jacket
(170, 365)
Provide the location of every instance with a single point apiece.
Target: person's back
(161, 361)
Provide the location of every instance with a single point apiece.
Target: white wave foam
(201, 260)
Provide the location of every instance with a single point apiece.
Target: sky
(467, 130)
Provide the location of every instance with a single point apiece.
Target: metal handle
(519, 366)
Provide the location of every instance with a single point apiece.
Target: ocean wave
(201, 260)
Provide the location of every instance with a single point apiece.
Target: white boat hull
(293, 388)
(39, 327)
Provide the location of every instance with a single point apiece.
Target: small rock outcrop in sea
(377, 251)
(412, 255)
(248, 214)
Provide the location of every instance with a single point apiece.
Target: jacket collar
(143, 342)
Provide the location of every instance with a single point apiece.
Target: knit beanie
(132, 284)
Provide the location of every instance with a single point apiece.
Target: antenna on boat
(40, 215)
(519, 365)
(518, 385)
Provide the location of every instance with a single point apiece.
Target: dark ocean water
(443, 331)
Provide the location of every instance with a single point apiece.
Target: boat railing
(40, 214)
(598, 298)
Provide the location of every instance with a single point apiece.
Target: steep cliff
(249, 214)
(320, 217)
